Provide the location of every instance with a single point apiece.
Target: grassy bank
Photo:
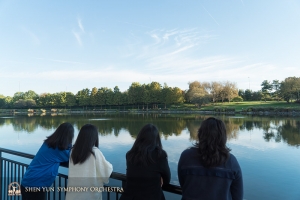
(228, 107)
(240, 106)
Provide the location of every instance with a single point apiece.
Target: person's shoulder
(190, 150)
(96, 150)
(163, 154)
(232, 158)
(232, 161)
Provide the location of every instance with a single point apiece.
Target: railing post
(1, 178)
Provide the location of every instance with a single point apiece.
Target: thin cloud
(78, 38)
(80, 25)
(61, 61)
(78, 34)
(211, 15)
(32, 35)
(134, 24)
(68, 62)
(165, 50)
(243, 2)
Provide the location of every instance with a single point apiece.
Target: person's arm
(179, 173)
(103, 167)
(63, 155)
(236, 188)
(165, 170)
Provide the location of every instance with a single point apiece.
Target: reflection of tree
(273, 128)
(232, 127)
(290, 132)
(27, 124)
(2, 122)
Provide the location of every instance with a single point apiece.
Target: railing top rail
(115, 175)
(17, 153)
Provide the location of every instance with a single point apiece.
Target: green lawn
(238, 106)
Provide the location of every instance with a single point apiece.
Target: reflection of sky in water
(270, 169)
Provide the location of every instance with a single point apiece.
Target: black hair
(86, 140)
(146, 142)
(62, 137)
(212, 142)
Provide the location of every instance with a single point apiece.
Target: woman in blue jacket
(44, 167)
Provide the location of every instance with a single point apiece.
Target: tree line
(287, 90)
(140, 96)
(155, 96)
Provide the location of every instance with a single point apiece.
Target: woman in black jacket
(147, 167)
(208, 171)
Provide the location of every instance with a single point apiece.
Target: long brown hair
(212, 143)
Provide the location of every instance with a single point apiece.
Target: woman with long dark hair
(147, 167)
(88, 167)
(44, 167)
(208, 170)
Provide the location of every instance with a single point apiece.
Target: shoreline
(265, 113)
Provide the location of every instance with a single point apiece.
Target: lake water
(267, 148)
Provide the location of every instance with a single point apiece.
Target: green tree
(166, 95)
(117, 96)
(109, 97)
(177, 95)
(93, 100)
(17, 96)
(124, 98)
(44, 100)
(8, 102)
(135, 94)
(154, 92)
(30, 103)
(266, 88)
(21, 103)
(248, 95)
(146, 99)
(289, 88)
(276, 86)
(83, 97)
(70, 99)
(241, 93)
(2, 101)
(30, 94)
(101, 97)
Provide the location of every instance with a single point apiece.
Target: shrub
(237, 99)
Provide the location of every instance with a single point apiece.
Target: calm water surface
(267, 148)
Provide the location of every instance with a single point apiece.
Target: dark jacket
(221, 183)
(144, 182)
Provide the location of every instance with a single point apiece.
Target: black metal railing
(13, 171)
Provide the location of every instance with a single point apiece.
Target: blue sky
(59, 46)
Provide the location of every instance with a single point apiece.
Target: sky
(55, 46)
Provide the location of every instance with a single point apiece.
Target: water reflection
(281, 129)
